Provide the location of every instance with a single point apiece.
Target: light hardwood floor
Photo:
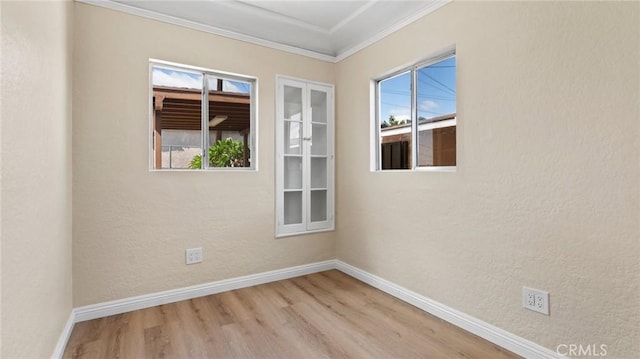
(322, 315)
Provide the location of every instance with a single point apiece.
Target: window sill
(421, 169)
(210, 170)
(436, 169)
(305, 233)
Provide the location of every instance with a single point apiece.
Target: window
(416, 114)
(201, 119)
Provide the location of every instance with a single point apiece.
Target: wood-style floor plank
(322, 315)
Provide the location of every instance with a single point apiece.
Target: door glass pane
(292, 172)
(436, 113)
(318, 106)
(292, 207)
(318, 172)
(318, 139)
(292, 103)
(395, 122)
(177, 124)
(318, 206)
(293, 137)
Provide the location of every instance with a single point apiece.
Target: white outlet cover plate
(540, 303)
(193, 255)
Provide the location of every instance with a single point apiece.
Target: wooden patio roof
(180, 109)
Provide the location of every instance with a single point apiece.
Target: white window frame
(253, 110)
(375, 158)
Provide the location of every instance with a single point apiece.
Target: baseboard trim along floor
(64, 337)
(473, 325)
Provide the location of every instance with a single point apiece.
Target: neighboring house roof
(423, 124)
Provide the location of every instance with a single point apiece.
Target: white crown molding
(346, 52)
(206, 28)
(476, 326)
(341, 55)
(175, 295)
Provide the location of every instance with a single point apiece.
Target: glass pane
(436, 113)
(292, 207)
(318, 172)
(318, 206)
(292, 103)
(292, 137)
(318, 139)
(219, 84)
(395, 122)
(292, 172)
(177, 125)
(229, 122)
(318, 106)
(437, 147)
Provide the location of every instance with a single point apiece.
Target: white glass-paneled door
(304, 157)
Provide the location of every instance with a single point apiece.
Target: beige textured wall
(36, 176)
(131, 226)
(547, 188)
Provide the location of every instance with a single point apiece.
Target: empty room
(320, 179)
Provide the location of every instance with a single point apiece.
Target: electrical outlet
(536, 300)
(530, 299)
(193, 255)
(542, 303)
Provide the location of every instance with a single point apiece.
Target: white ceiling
(328, 30)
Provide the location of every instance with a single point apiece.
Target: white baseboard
(482, 329)
(64, 336)
(175, 295)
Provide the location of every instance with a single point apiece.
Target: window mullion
(414, 120)
(205, 122)
(378, 134)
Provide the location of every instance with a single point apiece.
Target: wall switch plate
(193, 255)
(536, 300)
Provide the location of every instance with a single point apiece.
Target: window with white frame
(201, 119)
(416, 116)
